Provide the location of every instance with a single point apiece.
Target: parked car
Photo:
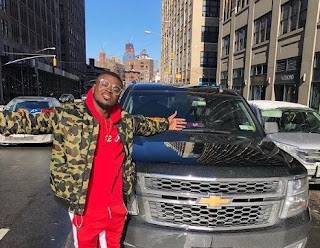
(83, 97)
(295, 128)
(218, 183)
(34, 105)
(64, 98)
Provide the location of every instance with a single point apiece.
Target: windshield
(17, 104)
(203, 112)
(293, 120)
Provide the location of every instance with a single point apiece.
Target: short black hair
(110, 73)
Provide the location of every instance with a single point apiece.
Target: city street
(27, 206)
(34, 219)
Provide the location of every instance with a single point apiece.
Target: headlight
(292, 150)
(310, 156)
(296, 200)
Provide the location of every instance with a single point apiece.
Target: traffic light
(54, 61)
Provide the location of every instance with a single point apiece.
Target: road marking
(3, 231)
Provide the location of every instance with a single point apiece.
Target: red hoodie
(105, 188)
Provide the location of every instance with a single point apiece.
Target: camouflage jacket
(75, 134)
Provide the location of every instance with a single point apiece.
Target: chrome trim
(146, 196)
(142, 189)
(145, 214)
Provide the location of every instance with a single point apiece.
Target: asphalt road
(27, 207)
(35, 220)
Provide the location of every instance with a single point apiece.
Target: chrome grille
(210, 187)
(175, 201)
(204, 218)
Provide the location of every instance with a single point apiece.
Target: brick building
(142, 64)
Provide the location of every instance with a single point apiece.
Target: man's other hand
(176, 123)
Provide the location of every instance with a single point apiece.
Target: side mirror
(271, 127)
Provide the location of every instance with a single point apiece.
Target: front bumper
(290, 233)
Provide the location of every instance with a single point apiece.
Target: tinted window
(32, 105)
(202, 110)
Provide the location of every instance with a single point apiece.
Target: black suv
(218, 183)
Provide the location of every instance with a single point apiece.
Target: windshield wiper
(204, 130)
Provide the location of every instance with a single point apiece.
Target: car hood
(215, 155)
(300, 140)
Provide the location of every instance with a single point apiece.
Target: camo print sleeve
(146, 126)
(25, 123)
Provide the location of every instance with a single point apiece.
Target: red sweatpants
(101, 229)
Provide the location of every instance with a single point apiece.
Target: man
(91, 165)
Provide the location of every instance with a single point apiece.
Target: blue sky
(110, 24)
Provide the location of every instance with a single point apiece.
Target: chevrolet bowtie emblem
(214, 201)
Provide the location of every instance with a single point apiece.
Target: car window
(202, 110)
(293, 120)
(55, 103)
(32, 105)
(17, 104)
(11, 105)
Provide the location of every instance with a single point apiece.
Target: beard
(102, 105)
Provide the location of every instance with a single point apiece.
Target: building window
(262, 27)
(208, 59)
(226, 45)
(224, 75)
(303, 13)
(258, 70)
(6, 28)
(228, 6)
(290, 64)
(241, 38)
(238, 73)
(210, 34)
(3, 5)
(242, 4)
(317, 60)
(293, 15)
(224, 78)
(210, 8)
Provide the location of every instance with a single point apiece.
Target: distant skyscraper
(129, 53)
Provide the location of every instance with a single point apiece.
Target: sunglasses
(115, 88)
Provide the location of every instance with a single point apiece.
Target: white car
(34, 105)
(294, 128)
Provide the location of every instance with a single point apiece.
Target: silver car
(34, 105)
(294, 128)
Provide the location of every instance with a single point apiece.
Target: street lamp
(45, 49)
(34, 55)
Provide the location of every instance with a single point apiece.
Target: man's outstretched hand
(176, 123)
